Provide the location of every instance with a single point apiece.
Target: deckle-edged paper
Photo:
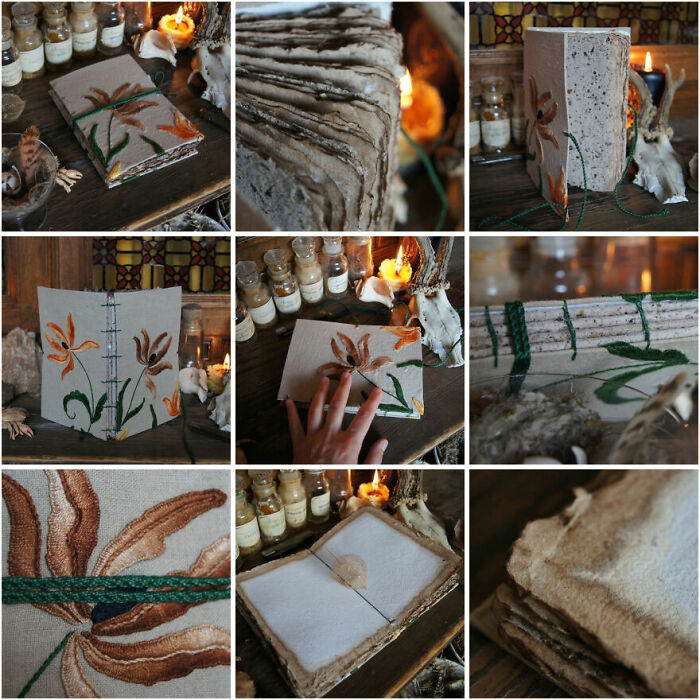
(129, 139)
(110, 361)
(321, 629)
(380, 353)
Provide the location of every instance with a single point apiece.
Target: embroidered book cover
(110, 361)
(385, 356)
(125, 123)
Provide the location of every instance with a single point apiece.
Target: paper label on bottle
(272, 525)
(33, 60)
(295, 513)
(85, 41)
(248, 534)
(245, 329)
(263, 314)
(112, 37)
(320, 505)
(496, 133)
(474, 134)
(289, 304)
(338, 285)
(312, 292)
(518, 129)
(12, 73)
(58, 51)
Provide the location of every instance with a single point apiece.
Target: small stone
(21, 362)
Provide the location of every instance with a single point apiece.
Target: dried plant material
(29, 153)
(350, 570)
(161, 659)
(144, 538)
(67, 177)
(75, 683)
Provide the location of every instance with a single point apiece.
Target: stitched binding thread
(572, 330)
(494, 337)
(636, 299)
(521, 344)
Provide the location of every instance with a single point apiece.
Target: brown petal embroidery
(161, 659)
(544, 98)
(546, 133)
(331, 367)
(549, 114)
(350, 347)
(75, 683)
(151, 386)
(213, 561)
(338, 352)
(363, 346)
(153, 371)
(379, 362)
(144, 538)
(139, 351)
(120, 92)
(533, 94)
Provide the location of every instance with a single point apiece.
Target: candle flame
(646, 280)
(227, 363)
(178, 18)
(406, 90)
(375, 481)
(397, 266)
(647, 63)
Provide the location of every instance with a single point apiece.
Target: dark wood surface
(149, 200)
(261, 420)
(55, 444)
(505, 189)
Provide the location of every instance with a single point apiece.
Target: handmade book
(323, 613)
(385, 356)
(575, 81)
(127, 126)
(110, 363)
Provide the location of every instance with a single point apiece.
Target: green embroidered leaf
(155, 146)
(95, 148)
(134, 411)
(669, 357)
(119, 147)
(75, 396)
(412, 363)
(398, 389)
(609, 392)
(394, 407)
(154, 422)
(120, 404)
(98, 408)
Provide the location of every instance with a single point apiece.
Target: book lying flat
(110, 363)
(320, 629)
(125, 140)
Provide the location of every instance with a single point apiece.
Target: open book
(321, 629)
(110, 360)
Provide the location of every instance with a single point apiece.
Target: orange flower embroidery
(150, 356)
(542, 118)
(559, 193)
(183, 128)
(63, 344)
(174, 403)
(406, 334)
(357, 358)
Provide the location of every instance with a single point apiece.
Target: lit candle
(218, 376)
(396, 272)
(179, 26)
(654, 78)
(375, 494)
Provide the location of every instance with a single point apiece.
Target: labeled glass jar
(247, 531)
(318, 495)
(58, 37)
(517, 116)
(285, 290)
(308, 270)
(11, 63)
(110, 18)
(474, 125)
(293, 496)
(335, 267)
(83, 20)
(245, 328)
(270, 511)
(28, 40)
(495, 118)
(256, 295)
(358, 250)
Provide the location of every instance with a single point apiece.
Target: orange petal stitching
(86, 346)
(58, 331)
(55, 345)
(71, 330)
(69, 367)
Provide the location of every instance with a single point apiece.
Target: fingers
(315, 417)
(337, 406)
(376, 452)
(294, 424)
(361, 422)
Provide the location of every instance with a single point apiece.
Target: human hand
(327, 443)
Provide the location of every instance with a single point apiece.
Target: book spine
(112, 355)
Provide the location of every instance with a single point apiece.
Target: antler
(647, 110)
(669, 94)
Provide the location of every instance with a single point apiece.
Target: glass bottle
(358, 250)
(84, 22)
(308, 270)
(623, 264)
(474, 126)
(245, 328)
(293, 496)
(190, 351)
(341, 486)
(247, 530)
(28, 40)
(110, 18)
(285, 290)
(318, 495)
(256, 295)
(269, 508)
(58, 37)
(11, 63)
(555, 269)
(491, 279)
(517, 116)
(138, 20)
(495, 119)
(335, 267)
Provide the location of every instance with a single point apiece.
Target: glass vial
(83, 20)
(318, 495)
(245, 328)
(491, 278)
(555, 269)
(495, 119)
(308, 270)
(247, 531)
(285, 290)
(256, 295)
(622, 264)
(270, 509)
(358, 250)
(341, 486)
(58, 39)
(11, 63)
(191, 345)
(28, 40)
(474, 125)
(110, 18)
(335, 267)
(137, 20)
(293, 496)
(517, 110)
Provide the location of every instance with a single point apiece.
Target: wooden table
(261, 420)
(143, 203)
(55, 444)
(505, 189)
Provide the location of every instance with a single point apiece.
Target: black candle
(655, 80)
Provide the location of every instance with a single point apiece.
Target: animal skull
(221, 414)
(215, 68)
(441, 325)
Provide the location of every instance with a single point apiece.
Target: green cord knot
(521, 344)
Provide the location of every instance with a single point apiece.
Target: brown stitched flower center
(351, 360)
(540, 114)
(151, 358)
(65, 346)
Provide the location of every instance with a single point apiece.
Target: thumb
(376, 452)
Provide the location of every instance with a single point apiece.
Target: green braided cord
(665, 210)
(585, 183)
(634, 299)
(44, 666)
(521, 344)
(572, 330)
(681, 295)
(433, 179)
(494, 337)
(420, 363)
(11, 597)
(511, 220)
(17, 583)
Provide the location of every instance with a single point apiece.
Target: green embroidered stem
(92, 398)
(494, 337)
(157, 148)
(511, 220)
(109, 137)
(521, 344)
(16, 583)
(572, 330)
(11, 597)
(393, 396)
(136, 386)
(585, 183)
(637, 301)
(184, 429)
(45, 665)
